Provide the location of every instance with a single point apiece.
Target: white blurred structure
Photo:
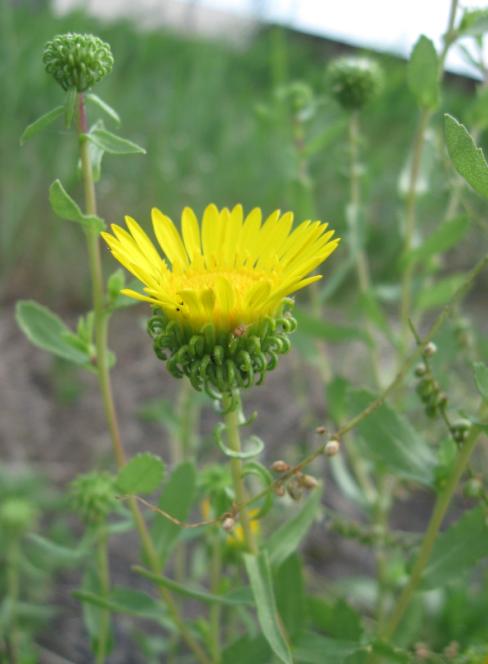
(392, 26)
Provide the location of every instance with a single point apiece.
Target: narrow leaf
(41, 123)
(259, 573)
(316, 649)
(322, 329)
(468, 160)
(66, 208)
(142, 474)
(177, 499)
(458, 549)
(439, 293)
(112, 143)
(423, 74)
(290, 594)
(124, 600)
(389, 439)
(53, 553)
(285, 540)
(47, 331)
(481, 378)
(95, 100)
(447, 235)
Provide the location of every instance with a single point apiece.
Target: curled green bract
(77, 60)
(219, 362)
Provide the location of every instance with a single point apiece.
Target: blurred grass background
(197, 107)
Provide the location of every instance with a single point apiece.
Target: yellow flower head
(231, 271)
(220, 294)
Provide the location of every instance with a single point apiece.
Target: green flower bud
(17, 515)
(219, 362)
(473, 488)
(77, 61)
(354, 81)
(93, 496)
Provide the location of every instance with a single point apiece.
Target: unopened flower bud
(430, 349)
(93, 496)
(308, 482)
(77, 60)
(332, 447)
(279, 490)
(17, 515)
(473, 488)
(420, 370)
(320, 430)
(294, 489)
(354, 81)
(280, 466)
(228, 524)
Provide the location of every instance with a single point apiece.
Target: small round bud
(279, 490)
(473, 488)
(452, 650)
(442, 400)
(320, 430)
(93, 496)
(280, 466)
(77, 60)
(308, 482)
(17, 515)
(354, 81)
(430, 349)
(294, 488)
(332, 447)
(420, 370)
(228, 524)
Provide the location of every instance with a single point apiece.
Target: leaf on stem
(112, 143)
(259, 573)
(41, 123)
(65, 207)
(95, 100)
(481, 378)
(444, 237)
(468, 160)
(142, 474)
(423, 74)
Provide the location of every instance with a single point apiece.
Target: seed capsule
(280, 466)
(332, 447)
(228, 524)
(308, 482)
(430, 349)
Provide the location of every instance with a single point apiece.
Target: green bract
(77, 60)
(93, 496)
(353, 82)
(217, 361)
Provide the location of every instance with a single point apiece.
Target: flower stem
(234, 439)
(12, 570)
(101, 330)
(104, 579)
(215, 609)
(440, 509)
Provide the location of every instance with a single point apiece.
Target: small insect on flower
(220, 293)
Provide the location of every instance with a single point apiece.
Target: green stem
(101, 329)
(104, 580)
(440, 509)
(215, 609)
(12, 637)
(234, 440)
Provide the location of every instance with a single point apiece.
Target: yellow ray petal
(191, 233)
(169, 239)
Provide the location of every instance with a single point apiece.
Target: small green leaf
(339, 620)
(247, 649)
(316, 649)
(389, 439)
(468, 160)
(259, 573)
(176, 498)
(322, 329)
(439, 293)
(481, 378)
(41, 123)
(285, 540)
(47, 331)
(423, 74)
(447, 235)
(142, 474)
(52, 553)
(112, 143)
(95, 100)
(126, 601)
(457, 549)
(66, 208)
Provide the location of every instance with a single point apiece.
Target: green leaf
(389, 439)
(124, 600)
(423, 74)
(285, 540)
(468, 160)
(457, 549)
(95, 100)
(324, 138)
(290, 594)
(112, 143)
(142, 474)
(338, 620)
(66, 208)
(322, 329)
(238, 597)
(481, 378)
(447, 235)
(439, 293)
(247, 649)
(46, 551)
(177, 499)
(47, 331)
(372, 309)
(41, 123)
(259, 573)
(316, 649)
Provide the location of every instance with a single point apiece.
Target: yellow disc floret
(230, 271)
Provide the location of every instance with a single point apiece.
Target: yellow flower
(230, 271)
